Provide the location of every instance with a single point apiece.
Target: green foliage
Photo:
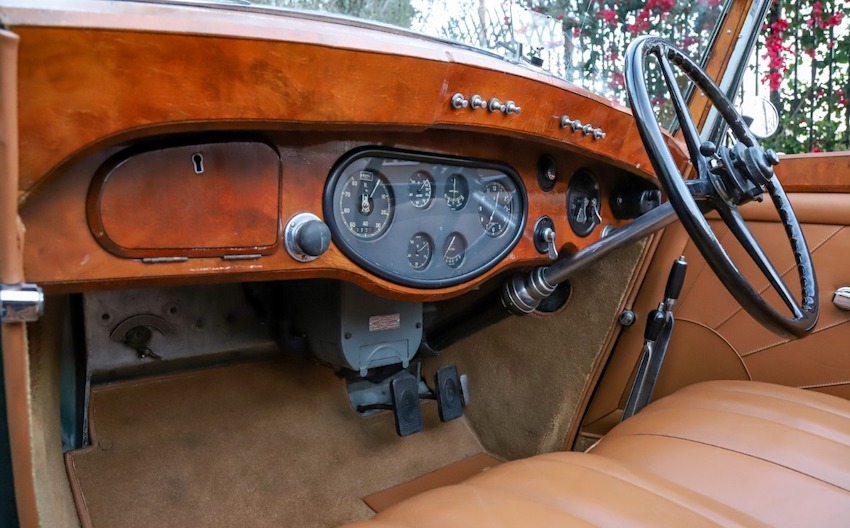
(802, 65)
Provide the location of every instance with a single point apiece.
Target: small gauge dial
(454, 250)
(420, 191)
(494, 211)
(457, 192)
(420, 247)
(366, 204)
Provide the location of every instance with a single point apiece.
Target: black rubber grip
(654, 325)
(676, 279)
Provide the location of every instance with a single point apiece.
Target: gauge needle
(375, 188)
(420, 248)
(448, 249)
(495, 207)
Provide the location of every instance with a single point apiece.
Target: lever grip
(654, 325)
(676, 279)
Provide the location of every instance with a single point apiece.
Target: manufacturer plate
(378, 323)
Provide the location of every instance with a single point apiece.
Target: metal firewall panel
(185, 323)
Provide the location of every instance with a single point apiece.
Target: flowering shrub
(801, 64)
(584, 41)
(598, 33)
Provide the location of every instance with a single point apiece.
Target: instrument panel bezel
(354, 248)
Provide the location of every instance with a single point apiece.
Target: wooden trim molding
(824, 172)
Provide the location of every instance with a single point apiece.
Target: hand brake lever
(659, 329)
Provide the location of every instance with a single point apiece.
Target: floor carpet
(255, 444)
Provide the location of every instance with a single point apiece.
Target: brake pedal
(450, 395)
(406, 408)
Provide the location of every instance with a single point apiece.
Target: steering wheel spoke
(686, 122)
(736, 224)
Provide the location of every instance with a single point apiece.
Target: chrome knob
(566, 121)
(512, 108)
(598, 133)
(576, 124)
(476, 101)
(587, 129)
(495, 105)
(459, 101)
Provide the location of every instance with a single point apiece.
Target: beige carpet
(527, 374)
(263, 444)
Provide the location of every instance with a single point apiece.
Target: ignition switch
(544, 237)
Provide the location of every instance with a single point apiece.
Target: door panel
(715, 338)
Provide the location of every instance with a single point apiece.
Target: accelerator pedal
(406, 409)
(449, 393)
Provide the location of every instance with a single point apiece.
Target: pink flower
(608, 15)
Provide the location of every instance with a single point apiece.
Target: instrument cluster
(424, 220)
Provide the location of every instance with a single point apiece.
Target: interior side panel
(715, 338)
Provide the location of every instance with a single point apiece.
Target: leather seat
(723, 453)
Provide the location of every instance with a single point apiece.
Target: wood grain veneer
(105, 82)
(209, 199)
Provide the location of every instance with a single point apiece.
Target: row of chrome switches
(458, 101)
(587, 129)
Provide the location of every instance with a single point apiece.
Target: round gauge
(494, 211)
(420, 191)
(454, 250)
(457, 192)
(366, 204)
(419, 250)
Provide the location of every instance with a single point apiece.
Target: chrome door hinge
(21, 303)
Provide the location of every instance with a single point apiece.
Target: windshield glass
(582, 41)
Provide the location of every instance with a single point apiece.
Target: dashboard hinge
(21, 303)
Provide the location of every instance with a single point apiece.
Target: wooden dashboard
(116, 77)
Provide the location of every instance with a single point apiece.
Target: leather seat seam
(523, 494)
(776, 398)
(823, 385)
(748, 455)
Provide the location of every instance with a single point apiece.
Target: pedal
(406, 409)
(449, 393)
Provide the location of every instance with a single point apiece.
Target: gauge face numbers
(495, 209)
(420, 247)
(457, 192)
(454, 250)
(366, 204)
(420, 191)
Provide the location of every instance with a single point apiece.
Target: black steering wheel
(726, 178)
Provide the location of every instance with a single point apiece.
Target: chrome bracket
(21, 303)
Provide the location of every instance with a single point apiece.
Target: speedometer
(366, 204)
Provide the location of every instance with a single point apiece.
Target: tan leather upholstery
(724, 453)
